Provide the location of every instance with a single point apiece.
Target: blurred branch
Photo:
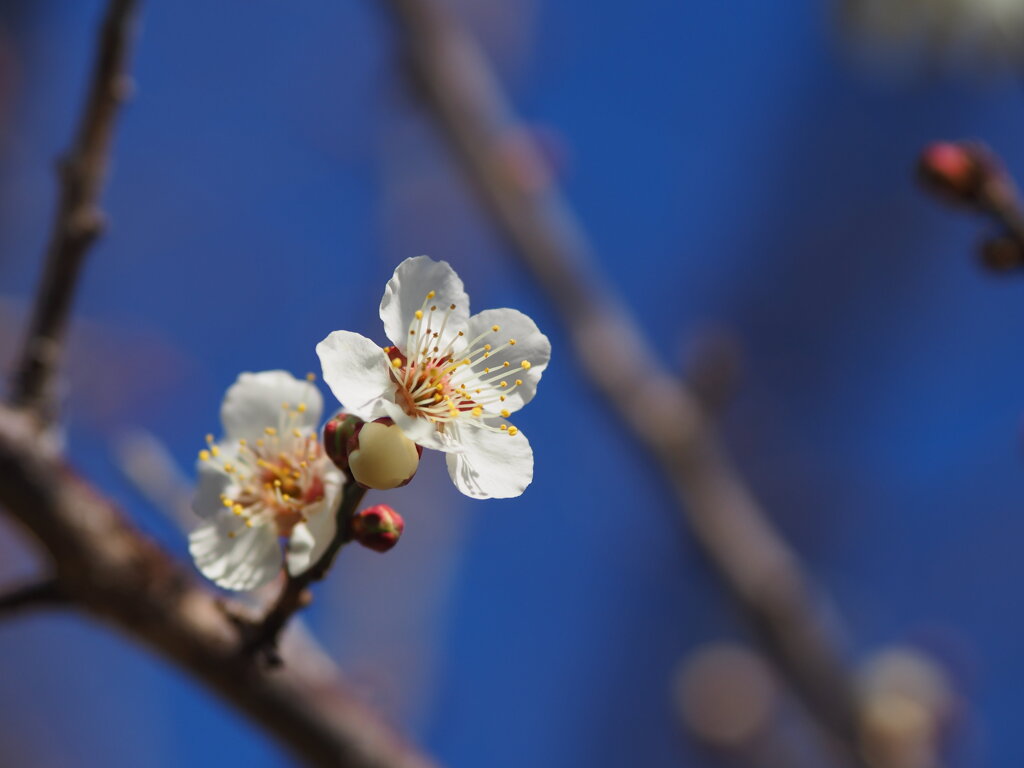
(757, 567)
(30, 596)
(106, 568)
(79, 220)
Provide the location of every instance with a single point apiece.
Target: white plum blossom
(449, 380)
(266, 481)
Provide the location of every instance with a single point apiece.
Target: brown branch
(79, 220)
(262, 637)
(39, 594)
(108, 570)
(757, 567)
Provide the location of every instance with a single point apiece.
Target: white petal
(310, 540)
(406, 293)
(493, 465)
(357, 371)
(421, 431)
(213, 481)
(254, 401)
(246, 561)
(531, 345)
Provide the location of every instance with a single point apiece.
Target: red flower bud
(964, 173)
(378, 527)
(376, 454)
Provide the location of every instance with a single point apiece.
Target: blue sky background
(738, 167)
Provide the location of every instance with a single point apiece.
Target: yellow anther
(204, 455)
(270, 431)
(285, 496)
(505, 412)
(277, 483)
(487, 370)
(495, 328)
(243, 442)
(431, 294)
(249, 523)
(511, 342)
(487, 354)
(419, 314)
(437, 398)
(396, 362)
(478, 411)
(238, 509)
(506, 364)
(503, 384)
(526, 365)
(504, 427)
(467, 361)
(227, 502)
(301, 407)
(487, 347)
(502, 398)
(209, 438)
(259, 443)
(513, 431)
(310, 376)
(519, 382)
(215, 450)
(229, 468)
(302, 464)
(297, 433)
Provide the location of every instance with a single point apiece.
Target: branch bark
(79, 220)
(102, 565)
(108, 570)
(31, 596)
(757, 567)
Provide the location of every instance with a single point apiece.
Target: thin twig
(79, 220)
(107, 569)
(262, 637)
(39, 594)
(758, 568)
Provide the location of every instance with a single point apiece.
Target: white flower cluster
(268, 494)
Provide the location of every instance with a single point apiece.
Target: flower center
(442, 377)
(276, 478)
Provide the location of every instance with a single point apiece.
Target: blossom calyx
(376, 453)
(378, 527)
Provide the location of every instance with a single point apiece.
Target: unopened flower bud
(377, 453)
(964, 173)
(378, 527)
(1002, 254)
